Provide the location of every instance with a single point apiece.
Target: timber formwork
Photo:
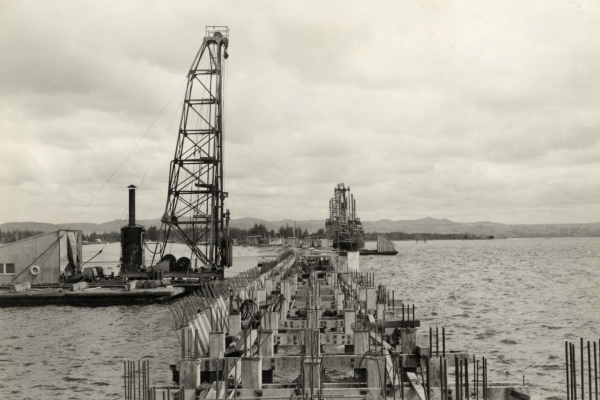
(330, 334)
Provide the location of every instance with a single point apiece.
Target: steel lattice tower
(195, 204)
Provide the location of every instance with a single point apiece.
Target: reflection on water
(514, 301)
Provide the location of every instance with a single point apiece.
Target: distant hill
(111, 226)
(32, 226)
(423, 225)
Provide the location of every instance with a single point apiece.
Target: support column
(268, 287)
(312, 375)
(362, 294)
(186, 339)
(370, 298)
(283, 311)
(235, 323)
(408, 340)
(274, 322)
(380, 307)
(340, 301)
(434, 372)
(349, 320)
(217, 345)
(247, 342)
(375, 372)
(188, 377)
(260, 296)
(285, 289)
(389, 316)
(361, 341)
(266, 343)
(252, 373)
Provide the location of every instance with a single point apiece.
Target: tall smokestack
(131, 205)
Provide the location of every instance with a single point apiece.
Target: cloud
(461, 110)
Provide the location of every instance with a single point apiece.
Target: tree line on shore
(153, 234)
(283, 231)
(15, 235)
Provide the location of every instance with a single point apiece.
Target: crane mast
(195, 209)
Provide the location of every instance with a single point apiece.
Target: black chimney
(131, 205)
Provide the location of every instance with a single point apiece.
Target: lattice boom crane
(195, 209)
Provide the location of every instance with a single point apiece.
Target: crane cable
(127, 156)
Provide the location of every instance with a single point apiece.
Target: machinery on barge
(195, 211)
(343, 227)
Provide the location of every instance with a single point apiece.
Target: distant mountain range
(424, 225)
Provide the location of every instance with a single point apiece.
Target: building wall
(42, 250)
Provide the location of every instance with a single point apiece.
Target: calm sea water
(514, 301)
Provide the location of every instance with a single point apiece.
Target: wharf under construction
(288, 332)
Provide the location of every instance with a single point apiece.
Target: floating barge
(384, 248)
(88, 296)
(330, 333)
(48, 270)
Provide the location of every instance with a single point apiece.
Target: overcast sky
(471, 111)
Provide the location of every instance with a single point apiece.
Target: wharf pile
(293, 332)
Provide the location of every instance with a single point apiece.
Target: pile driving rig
(195, 211)
(343, 227)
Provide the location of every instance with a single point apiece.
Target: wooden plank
(238, 364)
(414, 382)
(388, 358)
(217, 393)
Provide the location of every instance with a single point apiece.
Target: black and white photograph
(292, 200)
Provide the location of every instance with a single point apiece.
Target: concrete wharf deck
(331, 333)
